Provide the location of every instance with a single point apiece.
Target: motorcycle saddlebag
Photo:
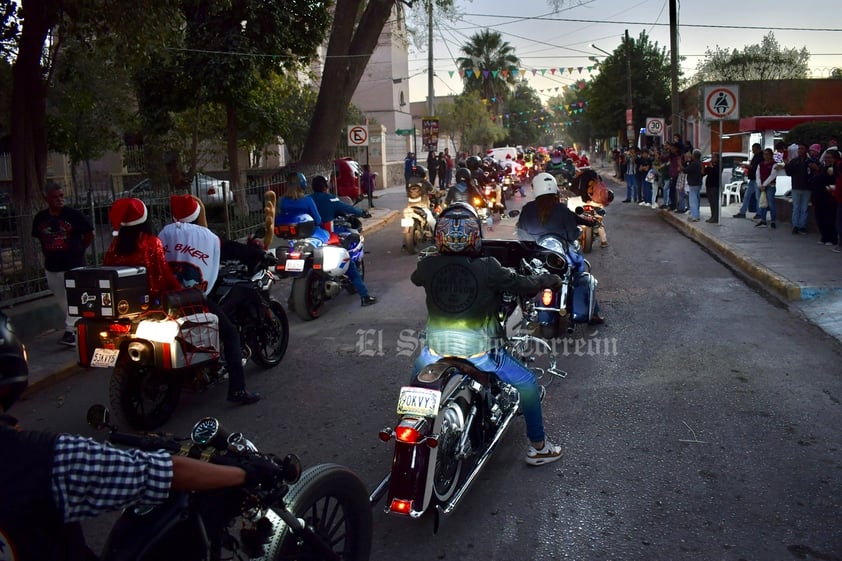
(294, 226)
(582, 293)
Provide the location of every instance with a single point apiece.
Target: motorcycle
(590, 233)
(318, 513)
(318, 269)
(419, 219)
(159, 352)
(452, 416)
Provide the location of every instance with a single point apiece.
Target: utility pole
(674, 67)
(430, 92)
(630, 132)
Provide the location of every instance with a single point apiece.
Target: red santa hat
(184, 208)
(127, 212)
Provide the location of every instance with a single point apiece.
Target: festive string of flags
(571, 109)
(485, 74)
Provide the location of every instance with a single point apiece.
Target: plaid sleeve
(90, 478)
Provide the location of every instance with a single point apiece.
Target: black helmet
(473, 163)
(319, 183)
(420, 171)
(459, 230)
(14, 372)
(463, 175)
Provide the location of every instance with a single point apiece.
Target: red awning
(781, 122)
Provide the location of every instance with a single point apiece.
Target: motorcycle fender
(335, 260)
(412, 467)
(138, 531)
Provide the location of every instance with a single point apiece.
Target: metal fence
(21, 261)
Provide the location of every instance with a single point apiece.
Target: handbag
(764, 200)
(650, 177)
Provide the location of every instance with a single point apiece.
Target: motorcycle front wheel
(308, 296)
(270, 341)
(333, 502)
(412, 237)
(143, 396)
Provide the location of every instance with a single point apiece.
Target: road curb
(380, 222)
(767, 280)
(38, 383)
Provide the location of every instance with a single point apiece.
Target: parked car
(211, 191)
(346, 174)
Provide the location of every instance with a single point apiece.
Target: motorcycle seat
(435, 370)
(334, 239)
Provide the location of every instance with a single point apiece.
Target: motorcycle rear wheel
(451, 424)
(269, 344)
(308, 296)
(333, 502)
(142, 396)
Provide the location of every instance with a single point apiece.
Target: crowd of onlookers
(674, 175)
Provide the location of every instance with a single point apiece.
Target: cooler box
(106, 292)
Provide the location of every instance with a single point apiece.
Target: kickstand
(436, 518)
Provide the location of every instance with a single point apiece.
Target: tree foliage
(487, 53)
(525, 118)
(468, 122)
(765, 61)
(650, 74)
(814, 131)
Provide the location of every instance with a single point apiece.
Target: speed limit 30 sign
(654, 126)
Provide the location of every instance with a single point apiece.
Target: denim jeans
(800, 202)
(647, 192)
(695, 201)
(751, 189)
(631, 187)
(357, 279)
(511, 371)
(770, 196)
(680, 197)
(670, 192)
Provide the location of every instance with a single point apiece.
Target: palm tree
(488, 53)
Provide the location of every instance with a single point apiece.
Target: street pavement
(802, 274)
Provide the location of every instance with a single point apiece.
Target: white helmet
(544, 184)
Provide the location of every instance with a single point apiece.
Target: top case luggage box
(106, 292)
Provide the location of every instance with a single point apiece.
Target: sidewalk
(804, 274)
(50, 362)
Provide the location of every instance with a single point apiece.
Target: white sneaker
(549, 453)
(641, 203)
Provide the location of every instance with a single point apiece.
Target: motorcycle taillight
(547, 297)
(408, 435)
(401, 506)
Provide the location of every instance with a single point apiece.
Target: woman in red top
(135, 245)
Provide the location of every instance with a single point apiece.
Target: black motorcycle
(321, 513)
(452, 416)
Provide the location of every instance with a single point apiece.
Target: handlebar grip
(144, 442)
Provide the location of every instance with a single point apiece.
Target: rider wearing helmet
(56, 480)
(463, 295)
(548, 215)
(419, 188)
(464, 189)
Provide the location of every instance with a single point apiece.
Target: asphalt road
(701, 422)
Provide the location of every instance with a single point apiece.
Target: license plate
(407, 222)
(104, 358)
(294, 265)
(418, 401)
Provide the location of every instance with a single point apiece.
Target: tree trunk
(348, 53)
(233, 158)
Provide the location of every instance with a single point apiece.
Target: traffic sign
(357, 135)
(654, 126)
(721, 103)
(403, 132)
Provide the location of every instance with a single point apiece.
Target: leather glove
(551, 281)
(262, 471)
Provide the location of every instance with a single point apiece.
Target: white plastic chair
(732, 190)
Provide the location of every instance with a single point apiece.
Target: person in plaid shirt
(49, 482)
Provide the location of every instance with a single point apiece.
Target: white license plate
(104, 358)
(407, 222)
(418, 401)
(294, 265)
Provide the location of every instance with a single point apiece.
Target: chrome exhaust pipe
(380, 490)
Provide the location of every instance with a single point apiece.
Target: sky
(548, 42)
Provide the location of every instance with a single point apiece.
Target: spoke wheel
(271, 337)
(142, 396)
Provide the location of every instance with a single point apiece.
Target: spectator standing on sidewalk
(441, 162)
(694, 185)
(448, 176)
(751, 188)
(713, 177)
(836, 157)
(432, 166)
(644, 188)
(367, 182)
(631, 175)
(767, 171)
(824, 204)
(673, 158)
(798, 169)
(681, 187)
(65, 235)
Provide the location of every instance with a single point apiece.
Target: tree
(524, 117)
(766, 61)
(468, 122)
(487, 67)
(608, 100)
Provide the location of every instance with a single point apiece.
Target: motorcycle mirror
(291, 468)
(99, 417)
(580, 210)
(514, 213)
